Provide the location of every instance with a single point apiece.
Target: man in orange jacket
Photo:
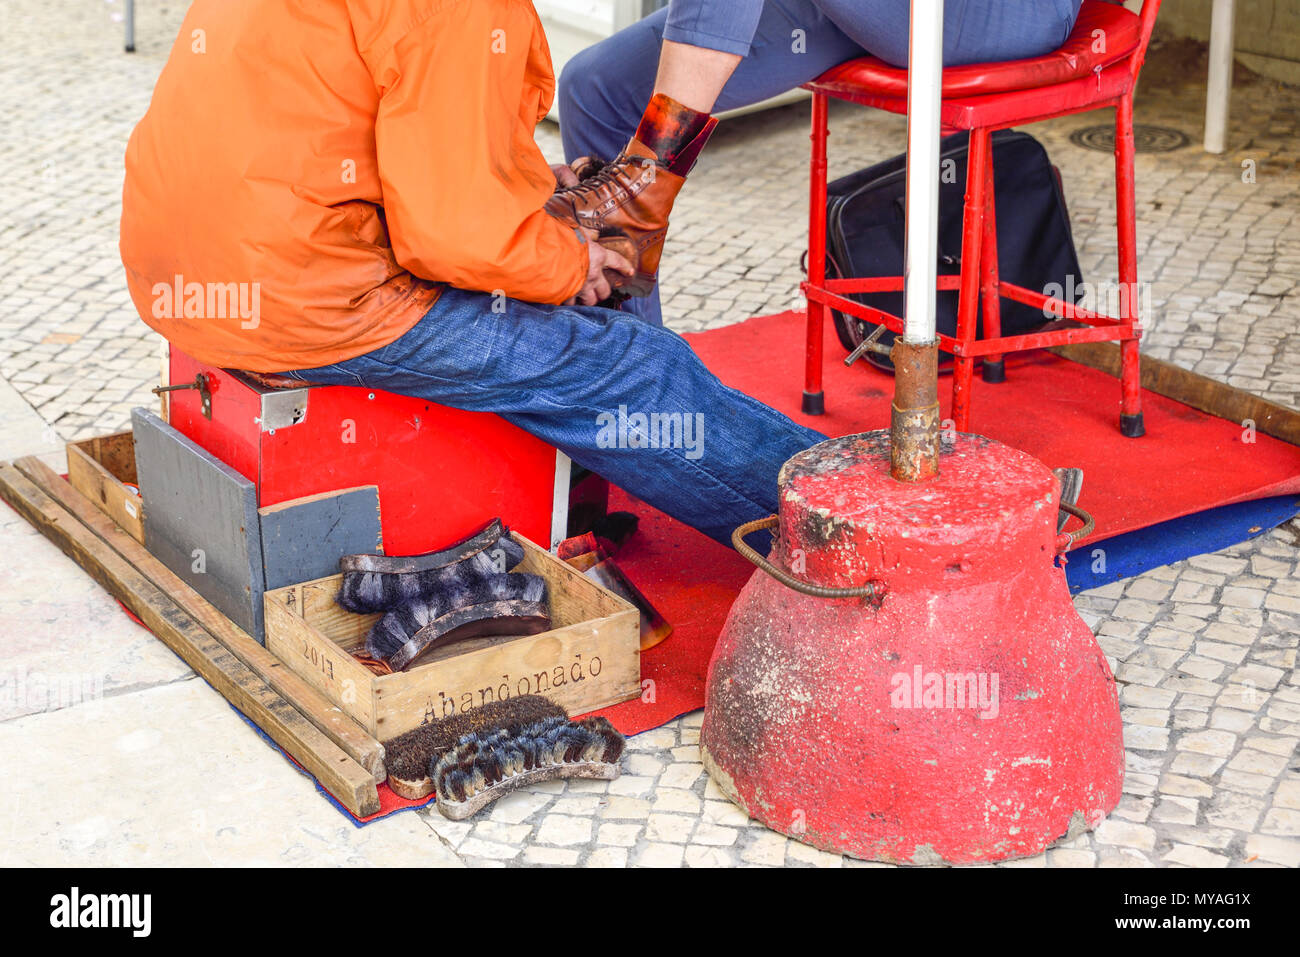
(351, 193)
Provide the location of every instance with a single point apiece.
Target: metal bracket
(201, 383)
(283, 408)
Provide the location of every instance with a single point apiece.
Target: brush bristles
(411, 755)
(367, 592)
(397, 627)
(481, 761)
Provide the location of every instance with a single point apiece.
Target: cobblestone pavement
(1204, 650)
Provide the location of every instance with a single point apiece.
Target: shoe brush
(483, 767)
(464, 607)
(411, 756)
(376, 583)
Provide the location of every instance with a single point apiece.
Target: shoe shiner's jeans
(625, 399)
(604, 89)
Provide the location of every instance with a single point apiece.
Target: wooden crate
(100, 469)
(588, 660)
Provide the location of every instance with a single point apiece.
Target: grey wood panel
(303, 539)
(204, 524)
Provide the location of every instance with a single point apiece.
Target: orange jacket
(308, 174)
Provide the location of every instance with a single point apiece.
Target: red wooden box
(441, 472)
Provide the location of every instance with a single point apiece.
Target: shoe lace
(596, 180)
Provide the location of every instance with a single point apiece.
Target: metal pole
(1218, 91)
(914, 421)
(130, 26)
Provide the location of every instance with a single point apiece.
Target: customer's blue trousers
(627, 400)
(604, 89)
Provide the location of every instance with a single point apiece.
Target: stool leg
(1130, 419)
(990, 293)
(968, 296)
(814, 399)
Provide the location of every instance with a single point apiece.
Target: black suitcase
(865, 226)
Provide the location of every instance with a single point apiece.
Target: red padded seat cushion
(1085, 51)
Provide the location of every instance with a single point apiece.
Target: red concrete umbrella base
(966, 716)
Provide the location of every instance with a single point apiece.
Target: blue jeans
(625, 399)
(604, 89)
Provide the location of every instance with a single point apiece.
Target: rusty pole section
(914, 416)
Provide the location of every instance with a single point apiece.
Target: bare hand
(564, 176)
(600, 259)
(569, 175)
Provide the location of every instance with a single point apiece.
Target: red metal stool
(1097, 67)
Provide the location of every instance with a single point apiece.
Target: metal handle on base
(1066, 541)
(872, 591)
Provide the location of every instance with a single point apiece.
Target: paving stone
(681, 775)
(806, 854)
(1134, 809)
(660, 855)
(1126, 833)
(1140, 696)
(618, 835)
(698, 856)
(581, 805)
(1199, 667)
(1190, 720)
(551, 856)
(1283, 746)
(1193, 764)
(1064, 857)
(491, 850)
(564, 830)
(1192, 856)
(625, 808)
(1145, 738)
(607, 857)
(519, 806)
(1281, 820)
(642, 765)
(1244, 698)
(1219, 743)
(1176, 810)
(1258, 762)
(1200, 835)
(1238, 811)
(1287, 794)
(489, 830)
(1122, 857)
(1275, 849)
(669, 827)
(765, 848)
(675, 800)
(1234, 780)
(725, 813)
(1229, 719)
(631, 786)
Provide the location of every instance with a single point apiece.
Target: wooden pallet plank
(201, 520)
(343, 777)
(1194, 389)
(319, 710)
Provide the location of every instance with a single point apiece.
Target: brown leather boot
(627, 201)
